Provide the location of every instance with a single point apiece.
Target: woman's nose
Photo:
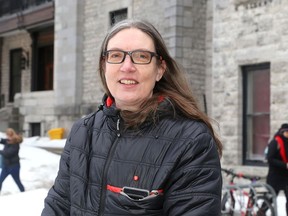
(127, 64)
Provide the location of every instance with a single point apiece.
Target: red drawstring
(114, 189)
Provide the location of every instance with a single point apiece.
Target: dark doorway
(15, 73)
(45, 68)
(43, 58)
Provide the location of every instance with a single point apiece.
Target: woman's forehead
(131, 38)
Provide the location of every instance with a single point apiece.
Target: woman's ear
(161, 70)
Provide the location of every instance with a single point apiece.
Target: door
(15, 73)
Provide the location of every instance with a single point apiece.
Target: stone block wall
(19, 41)
(247, 33)
(182, 24)
(80, 27)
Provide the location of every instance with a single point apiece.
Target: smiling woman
(149, 149)
(130, 70)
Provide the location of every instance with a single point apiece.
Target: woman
(278, 162)
(10, 158)
(148, 150)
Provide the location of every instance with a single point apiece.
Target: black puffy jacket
(10, 153)
(177, 157)
(278, 172)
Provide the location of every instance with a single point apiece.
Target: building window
(35, 129)
(256, 112)
(118, 15)
(43, 60)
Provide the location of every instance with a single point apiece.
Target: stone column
(68, 57)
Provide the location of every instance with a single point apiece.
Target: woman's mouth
(128, 82)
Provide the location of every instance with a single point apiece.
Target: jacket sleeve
(196, 184)
(3, 141)
(57, 201)
(10, 152)
(273, 156)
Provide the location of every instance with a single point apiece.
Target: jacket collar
(165, 107)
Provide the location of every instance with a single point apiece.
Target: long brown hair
(13, 137)
(173, 84)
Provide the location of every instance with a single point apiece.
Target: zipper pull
(118, 127)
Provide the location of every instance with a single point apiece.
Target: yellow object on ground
(56, 133)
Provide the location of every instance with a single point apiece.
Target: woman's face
(9, 134)
(130, 84)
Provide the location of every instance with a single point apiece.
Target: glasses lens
(141, 57)
(115, 56)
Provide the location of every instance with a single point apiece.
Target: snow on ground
(38, 170)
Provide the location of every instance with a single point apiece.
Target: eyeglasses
(137, 56)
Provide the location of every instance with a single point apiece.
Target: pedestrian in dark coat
(149, 149)
(278, 162)
(10, 158)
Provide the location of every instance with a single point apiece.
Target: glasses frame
(130, 53)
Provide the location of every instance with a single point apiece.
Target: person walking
(148, 149)
(10, 158)
(277, 157)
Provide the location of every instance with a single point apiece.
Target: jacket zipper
(106, 167)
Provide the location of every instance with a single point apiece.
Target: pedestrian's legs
(15, 172)
(3, 175)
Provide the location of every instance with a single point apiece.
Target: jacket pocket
(151, 205)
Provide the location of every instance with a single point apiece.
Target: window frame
(246, 71)
(118, 15)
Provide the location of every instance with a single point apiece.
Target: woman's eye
(115, 55)
(143, 56)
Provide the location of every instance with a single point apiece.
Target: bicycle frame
(246, 195)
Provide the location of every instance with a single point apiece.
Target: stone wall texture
(247, 33)
(80, 27)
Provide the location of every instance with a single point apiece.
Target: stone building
(58, 81)
(233, 51)
(249, 76)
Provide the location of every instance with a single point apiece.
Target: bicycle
(245, 199)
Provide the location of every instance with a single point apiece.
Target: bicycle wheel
(263, 207)
(227, 204)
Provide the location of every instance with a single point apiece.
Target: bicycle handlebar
(241, 175)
